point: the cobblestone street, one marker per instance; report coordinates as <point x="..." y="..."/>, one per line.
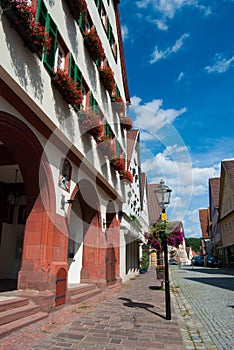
<point x="205" y="302"/>
<point x="132" y="317"/>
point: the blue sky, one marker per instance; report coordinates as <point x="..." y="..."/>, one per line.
<point x="180" y="66"/>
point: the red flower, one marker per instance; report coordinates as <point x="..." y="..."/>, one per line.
<point x="107" y="78"/>
<point x="126" y="175"/>
<point x="68" y="88"/>
<point x="126" y="122"/>
<point x="77" y="8"/>
<point x="118" y="164"/>
<point x="90" y="122"/>
<point x="94" y="44"/>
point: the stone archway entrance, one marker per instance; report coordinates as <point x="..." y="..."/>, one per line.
<point x="21" y="149"/>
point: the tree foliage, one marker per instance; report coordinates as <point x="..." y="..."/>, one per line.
<point x="194" y="243"/>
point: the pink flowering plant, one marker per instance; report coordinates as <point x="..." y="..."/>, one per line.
<point x="68" y="88"/>
<point x="160" y="232"/>
<point x="23" y="16"/>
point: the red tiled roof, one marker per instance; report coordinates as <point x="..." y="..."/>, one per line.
<point x="229" y="169"/>
<point x="132" y="136"/>
<point x="214" y="189"/>
<point x="204" y="215"/>
<point x="154" y="208"/>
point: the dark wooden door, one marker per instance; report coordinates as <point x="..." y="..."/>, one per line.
<point x="61" y="286"/>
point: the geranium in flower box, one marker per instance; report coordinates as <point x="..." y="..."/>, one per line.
<point x="118" y="164"/>
<point x="107" y="146"/>
<point x="77" y="8"/>
<point x="67" y="87"/>
<point x="107" y="78"/>
<point x="126" y="123"/>
<point x="119" y="105"/>
<point x="90" y="122"/>
<point x="23" y="18"/>
<point x="126" y="175"/>
<point x="94" y="44"/>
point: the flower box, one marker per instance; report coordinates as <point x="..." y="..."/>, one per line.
<point x="127" y="176"/>
<point x="107" y="78"/>
<point x="93" y="44"/>
<point x="68" y="88"/>
<point x="22" y="17"/>
<point x="90" y="123"/>
<point x="118" y="105"/>
<point x="106" y="146"/>
<point x="118" y="164"/>
<point x="126" y="123"/>
<point x="77" y="8"/>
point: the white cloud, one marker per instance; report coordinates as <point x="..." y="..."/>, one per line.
<point x="168" y="8"/>
<point x="124" y="31"/>
<point x="180" y="77"/>
<point x="151" y="116"/>
<point x="160" y="23"/>
<point x="164" y="54"/>
<point x="221" y="64"/>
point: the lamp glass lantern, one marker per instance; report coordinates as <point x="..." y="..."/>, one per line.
<point x="163" y="195"/>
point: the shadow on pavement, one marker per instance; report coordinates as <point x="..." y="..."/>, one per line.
<point x="208" y="270"/>
<point x="145" y="306"/>
<point x="224" y="283"/>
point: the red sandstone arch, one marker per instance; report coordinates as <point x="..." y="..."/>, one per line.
<point x="39" y="250"/>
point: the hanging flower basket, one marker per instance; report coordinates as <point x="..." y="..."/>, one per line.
<point x="106" y="145"/>
<point x="107" y="78"/>
<point x="77" y="8"/>
<point x="68" y="88"/>
<point x="127" y="176"/>
<point x="90" y="123"/>
<point x="119" y="105"/>
<point x="94" y="44"/>
<point x="126" y="123"/>
<point x="159" y="233"/>
<point x="118" y="164"/>
<point x="22" y="17"/>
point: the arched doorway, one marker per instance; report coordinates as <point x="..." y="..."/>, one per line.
<point x="86" y="214"/>
<point x="110" y="266"/>
<point x="23" y="151"/>
<point x="113" y="243"/>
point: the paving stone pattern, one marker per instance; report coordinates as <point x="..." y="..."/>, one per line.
<point x="205" y="303"/>
<point x="132" y="316"/>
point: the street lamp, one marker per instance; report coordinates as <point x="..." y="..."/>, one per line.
<point x="163" y="194"/>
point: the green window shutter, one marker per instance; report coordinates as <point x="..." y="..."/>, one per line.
<point x="52" y="30"/>
<point x="81" y="23"/>
<point x="41" y="13"/>
<point x="99" y="5"/>
<point x="75" y="72"/>
<point x="93" y="104"/>
<point x="72" y="68"/>
<point x="108" y="130"/>
<point x="119" y="150"/>
<point x="117" y="92"/>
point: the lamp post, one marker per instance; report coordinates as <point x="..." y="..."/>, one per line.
<point x="163" y="194"/>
